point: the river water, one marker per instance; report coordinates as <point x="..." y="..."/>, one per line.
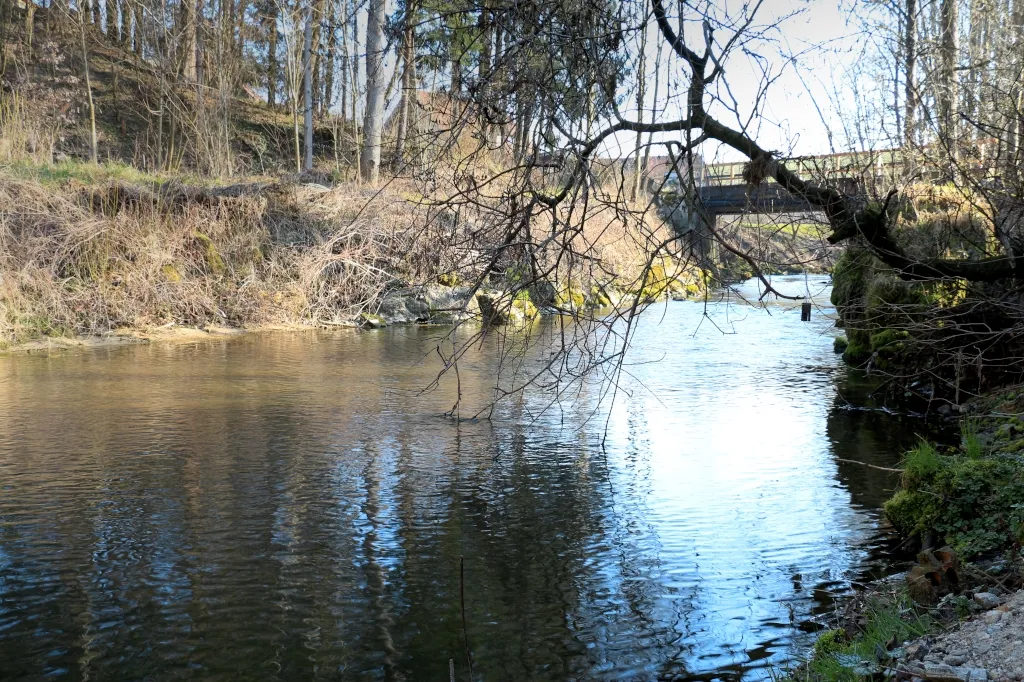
<point x="295" y="506"/>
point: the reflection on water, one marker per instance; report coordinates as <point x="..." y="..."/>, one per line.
<point x="293" y="507"/>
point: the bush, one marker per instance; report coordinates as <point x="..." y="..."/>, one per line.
<point x="973" y="503"/>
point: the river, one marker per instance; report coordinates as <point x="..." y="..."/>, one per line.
<point x="295" y="506"/>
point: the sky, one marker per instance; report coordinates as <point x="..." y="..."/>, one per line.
<point x="812" y="49"/>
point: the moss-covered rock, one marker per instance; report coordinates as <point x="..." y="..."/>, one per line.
<point x="171" y="273"/>
<point x="498" y="309"/>
<point x="371" y="321"/>
<point x="214" y="261"/>
<point x="448" y="279"/>
<point x="889" y="341"/>
<point x="840" y="344"/>
<point x="570" y="297"/>
<point x="973" y="503"/>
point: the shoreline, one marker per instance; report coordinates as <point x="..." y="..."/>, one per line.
<point x="138" y="337"/>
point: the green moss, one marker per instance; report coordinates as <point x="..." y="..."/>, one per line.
<point x="830" y="642"/>
<point x="371" y="321"/>
<point x="526" y="308"/>
<point x="973" y="502"/>
<point x="888" y="341"/>
<point x="214" y="261"/>
<point x="171" y="273"/>
<point x="840" y="344"/>
<point x="599" y="297"/>
<point x="570" y="297"/>
<point x="448" y="279"/>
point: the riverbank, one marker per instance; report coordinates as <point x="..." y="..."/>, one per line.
<point x="91" y="253"/>
<point x="957" y="614"/>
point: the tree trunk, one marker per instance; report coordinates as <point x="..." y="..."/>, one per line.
<point x="373" y="122"/>
<point x="272" y="64"/>
<point x="640" y="92"/>
<point x="456" y="86"/>
<point x="910" y="77"/>
<point x="113" y="9"/>
<point x="947" y="80"/>
<point x="138" y="12"/>
<point x="187" y="41"/>
<point x="332" y="50"/>
<point x="126" y="21"/>
<point x="408" y="83"/>
<point x="30" y="23"/>
<point x="93" y="152"/>
<point x="307" y="88"/>
<point x="97" y="15"/>
<point x="239" y="46"/>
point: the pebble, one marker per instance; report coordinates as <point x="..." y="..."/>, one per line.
<point x="992" y="617"/>
<point x="940" y="672"/>
<point x="986" y="600"/>
<point x="988" y="648"/>
<point x="975" y="674"/>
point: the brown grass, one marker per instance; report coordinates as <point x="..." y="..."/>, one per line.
<point x="91" y="259"/>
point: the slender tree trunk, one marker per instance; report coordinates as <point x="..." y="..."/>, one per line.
<point x="138" y="22"/>
<point x="456" y="86"/>
<point x="947" y="80"/>
<point x="30" y="23"/>
<point x="307" y="88"/>
<point x="319" y="12"/>
<point x="186" y="41"/>
<point x="486" y="29"/>
<point x="408" y="82"/>
<point x="272" y="63"/>
<point x="113" y="10"/>
<point x="330" y="58"/>
<point x="1015" y="120"/>
<point x="640" y="93"/>
<point x="97" y="15"/>
<point x="373" y="124"/>
<point x="910" y="77"/>
<point x="126" y="21"/>
<point x="93" y="151"/>
<point x="239" y="45"/>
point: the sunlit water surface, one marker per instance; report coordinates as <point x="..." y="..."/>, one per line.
<point x="294" y="506"/>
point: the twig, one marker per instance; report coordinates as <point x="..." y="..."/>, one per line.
<point x="872" y="466"/>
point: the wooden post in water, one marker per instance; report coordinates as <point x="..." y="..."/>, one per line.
<point x="805" y="311"/>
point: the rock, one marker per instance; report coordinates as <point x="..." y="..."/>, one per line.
<point x="371" y="321"/>
<point x="956" y="660"/>
<point x="976" y="675"/>
<point x="940" y="672"/>
<point x="986" y="600"/>
<point x="916" y="651"/>
<point x="992" y="617"/>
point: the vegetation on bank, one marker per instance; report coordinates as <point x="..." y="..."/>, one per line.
<point x="860" y="645"/>
<point x="92" y="249"/>
<point x="972" y="498"/>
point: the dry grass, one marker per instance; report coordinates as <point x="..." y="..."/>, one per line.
<point x="86" y="259"/>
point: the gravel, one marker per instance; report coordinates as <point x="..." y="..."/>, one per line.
<point x="988" y="648"/>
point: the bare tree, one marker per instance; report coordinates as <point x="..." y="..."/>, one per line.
<point x="373" y="123"/>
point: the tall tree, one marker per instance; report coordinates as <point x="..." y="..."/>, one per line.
<point x="909" y="73"/>
<point x="307" y="87"/>
<point x="408" y="98"/>
<point x="373" y="121"/>
<point x="948" y="57"/>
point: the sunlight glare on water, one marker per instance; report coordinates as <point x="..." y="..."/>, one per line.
<point x="294" y="506"/>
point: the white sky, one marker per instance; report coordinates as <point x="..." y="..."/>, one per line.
<point x="800" y="106"/>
